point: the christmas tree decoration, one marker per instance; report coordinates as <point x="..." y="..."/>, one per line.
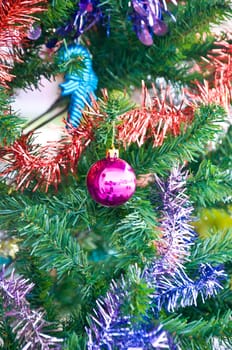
<point x="218" y="87"/>
<point x="169" y="285"/>
<point x="28" y="163"/>
<point x="209" y="95"/>
<point x="220" y="219"/>
<point x="157" y="117"/>
<point x="172" y="287"/>
<point x="110" y="327"/>
<point x="111" y="181"/>
<point x="219" y="64"/>
<point x="89" y="14"/>
<point x="80" y="84"/>
<point x="28" y="324"/>
<point x="177" y="235"/>
<point x="82" y="19"/>
<point x="178" y="290"/>
<point x="147" y="18"/>
<point x="15" y="19"/>
<point x="34" y="32"/>
<point x="129" y="272"/>
<point x="8" y="247"/>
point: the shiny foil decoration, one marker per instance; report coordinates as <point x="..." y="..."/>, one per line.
<point x="147" y="19"/>
<point x="80" y="84"/>
<point x="156" y="118"/>
<point x="30" y="164"/>
<point x="34" y="32"/>
<point x="111" y="181"/>
<point x="88" y="14"/>
<point x="16" y="18"/>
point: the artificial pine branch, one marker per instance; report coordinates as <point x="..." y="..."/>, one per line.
<point x="41" y="295"/>
<point x="7" y="337"/>
<point x="164" y="54"/>
<point x="74" y="343"/>
<point x="73" y="202"/>
<point x="210" y="186"/>
<point x="215" y="249"/>
<point x="54" y="238"/>
<point x="58" y="12"/>
<point x="164" y="279"/>
<point x="135" y="234"/>
<point x="201" y="331"/>
<point x="54" y="246"/>
<point x="10" y="124"/>
<point x="222" y="155"/>
<point x="11" y="207"/>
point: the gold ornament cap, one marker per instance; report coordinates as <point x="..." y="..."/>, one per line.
<point x="112" y="153"/>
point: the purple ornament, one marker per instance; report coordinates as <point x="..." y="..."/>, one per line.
<point x="34" y="32"/>
<point x="159" y="28"/>
<point x="139" y="8"/>
<point x="144" y="35"/>
<point x="86" y="5"/>
<point x="147" y="19"/>
<point x="111" y="181"/>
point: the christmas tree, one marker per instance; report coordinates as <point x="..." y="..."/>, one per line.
<point x="101" y="246"/>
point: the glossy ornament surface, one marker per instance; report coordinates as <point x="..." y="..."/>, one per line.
<point x="111" y="181"/>
<point x="80" y="86"/>
<point x="160" y="28"/>
<point x="34" y="32"/>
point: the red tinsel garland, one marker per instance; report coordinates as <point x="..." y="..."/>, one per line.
<point x="220" y="61"/>
<point x="44" y="166"/>
<point x="15" y="22"/>
<point x="218" y="88"/>
<point x="28" y="162"/>
<point x="156" y="118"/>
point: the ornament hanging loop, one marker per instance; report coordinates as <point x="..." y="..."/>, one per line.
<point x="112" y="152"/>
<point x="113" y="134"/>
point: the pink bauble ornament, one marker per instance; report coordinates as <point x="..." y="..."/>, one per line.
<point x="111" y="181"/>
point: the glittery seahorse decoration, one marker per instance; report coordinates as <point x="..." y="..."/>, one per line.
<point x="79" y="83"/>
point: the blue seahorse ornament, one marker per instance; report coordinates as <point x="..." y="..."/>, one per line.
<point x="80" y="85"/>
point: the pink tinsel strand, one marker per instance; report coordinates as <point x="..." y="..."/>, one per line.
<point x="27" y="324"/>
